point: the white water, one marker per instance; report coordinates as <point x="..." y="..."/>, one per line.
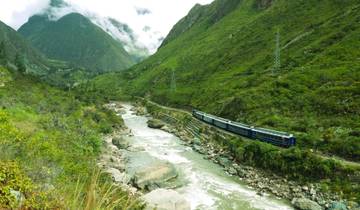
<point x="206" y="186"/>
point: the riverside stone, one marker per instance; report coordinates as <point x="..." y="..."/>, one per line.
<point x="163" y="199"/>
<point x="155" y="175"/>
<point x="120" y="142"/>
<point x="337" y="206"/>
<point x="305" y="204"/>
<point x="154" y="123"/>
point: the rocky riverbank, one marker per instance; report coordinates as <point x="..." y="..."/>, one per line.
<point x="153" y="181"/>
<point x="302" y="196"/>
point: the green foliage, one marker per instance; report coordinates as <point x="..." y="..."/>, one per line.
<point x="17" y="190"/>
<point x="3" y="53"/>
<point x="20" y="63"/>
<point x="48" y="138"/>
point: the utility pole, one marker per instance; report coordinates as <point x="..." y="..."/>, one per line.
<point x="173" y="81"/>
<point x="277" y="60"/>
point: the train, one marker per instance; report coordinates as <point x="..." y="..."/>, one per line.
<point x="277" y="138"/>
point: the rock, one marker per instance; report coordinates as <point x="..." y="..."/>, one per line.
<point x="196" y="141"/>
<point x="140" y="111"/>
<point x="154" y="123"/>
<point x="305" y="188"/>
<point x="232" y="171"/>
<point x="153" y="176"/>
<point x="118" y="176"/>
<point x="337" y="206"/>
<point x="224" y="161"/>
<point x="312" y="191"/>
<point x="163" y="199"/>
<point x="260" y="193"/>
<point x="19" y="197"/>
<point x="199" y="149"/>
<point x="305" y="204"/>
<point x="136" y="149"/>
<point x="120" y="142"/>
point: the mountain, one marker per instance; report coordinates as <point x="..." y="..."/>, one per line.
<point x="14" y="49"/>
<point x="124" y="34"/>
<point x="286" y="65"/>
<point x="74" y="38"/>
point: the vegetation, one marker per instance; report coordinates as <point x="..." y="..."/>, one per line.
<point x="224" y="53"/>
<point x="75" y="39"/>
<point x="49" y="142"/>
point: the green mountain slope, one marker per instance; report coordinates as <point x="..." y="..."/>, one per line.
<point x="75" y="39"/>
<point x="220" y="59"/>
<point x="14" y="49"/>
<point x="17" y="53"/>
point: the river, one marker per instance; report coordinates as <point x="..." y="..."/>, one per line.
<point x="205" y="184"/>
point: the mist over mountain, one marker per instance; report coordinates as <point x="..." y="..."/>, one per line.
<point x="119" y="31"/>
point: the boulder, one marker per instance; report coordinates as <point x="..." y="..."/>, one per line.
<point x="232" y="171"/>
<point x="305" y="204"/>
<point x="120" y="142"/>
<point x="199" y="149"/>
<point x="118" y="176"/>
<point x="163" y="199"/>
<point x="19" y="197"/>
<point x="154" y="123"/>
<point x="224" y="161"/>
<point x="155" y="175"/>
<point x="337" y="206"/>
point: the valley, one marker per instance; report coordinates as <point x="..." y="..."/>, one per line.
<point x="92" y="117"/>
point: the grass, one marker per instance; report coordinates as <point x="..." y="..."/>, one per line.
<point x="100" y="196"/>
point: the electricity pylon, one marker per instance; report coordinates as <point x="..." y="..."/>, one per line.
<point x="277" y="59"/>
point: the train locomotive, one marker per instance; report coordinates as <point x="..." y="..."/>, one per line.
<point x="277" y="138"/>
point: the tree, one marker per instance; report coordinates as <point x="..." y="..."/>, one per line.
<point x="2" y="52"/>
<point x="20" y="63"/>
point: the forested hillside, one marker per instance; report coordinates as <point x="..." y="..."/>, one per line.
<point x="16" y="51"/>
<point x="225" y="53"/>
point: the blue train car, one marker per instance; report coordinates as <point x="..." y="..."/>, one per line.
<point x="221" y="123"/>
<point x="270" y="136"/>
<point x="208" y="119"/>
<point x="241" y="129"/>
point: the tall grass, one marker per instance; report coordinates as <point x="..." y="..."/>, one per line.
<point x="99" y="193"/>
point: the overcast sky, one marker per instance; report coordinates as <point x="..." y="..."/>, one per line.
<point x="156" y="15"/>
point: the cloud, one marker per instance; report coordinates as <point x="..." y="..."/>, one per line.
<point x="156" y="16"/>
<point x="16" y="12"/>
<point x="142" y="11"/>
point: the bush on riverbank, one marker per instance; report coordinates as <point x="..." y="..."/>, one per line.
<point x="297" y="164"/>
